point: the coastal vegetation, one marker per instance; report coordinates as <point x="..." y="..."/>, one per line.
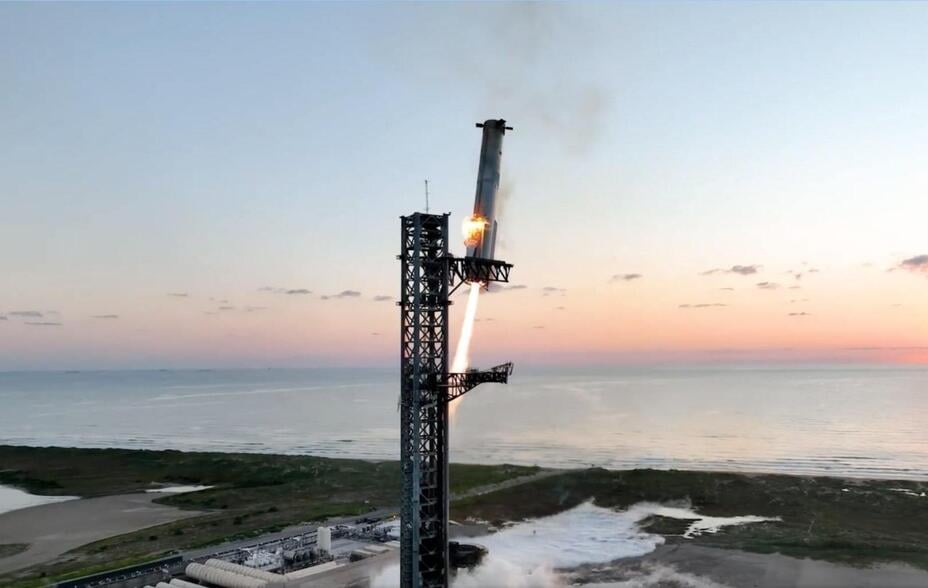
<point x="844" y="520"/>
<point x="251" y="494"/>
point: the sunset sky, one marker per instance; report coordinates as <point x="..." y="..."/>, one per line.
<point x="203" y="185"/>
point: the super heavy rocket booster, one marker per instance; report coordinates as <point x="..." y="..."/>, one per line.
<point x="480" y="229"/>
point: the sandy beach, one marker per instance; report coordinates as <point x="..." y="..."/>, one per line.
<point x="53" y="529"/>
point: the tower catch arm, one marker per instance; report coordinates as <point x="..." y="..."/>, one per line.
<point x="460" y="383"/>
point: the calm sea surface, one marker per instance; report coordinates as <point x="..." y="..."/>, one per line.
<point x="867" y="422"/>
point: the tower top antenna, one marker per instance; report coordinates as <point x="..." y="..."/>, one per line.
<point x="426" y="196"/>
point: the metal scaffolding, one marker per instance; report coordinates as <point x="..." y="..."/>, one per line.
<point x="428" y="272"/>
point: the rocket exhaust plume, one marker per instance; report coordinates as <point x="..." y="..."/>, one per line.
<point x="462" y="351"/>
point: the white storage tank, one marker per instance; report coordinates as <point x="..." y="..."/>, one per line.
<point x="324" y="539"/>
<point x="313" y="570"/>
<point x="223" y="578"/>
<point x="269" y="577"/>
<point x="178" y="583"/>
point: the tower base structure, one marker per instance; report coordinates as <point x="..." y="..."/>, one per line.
<point x="429" y="274"/>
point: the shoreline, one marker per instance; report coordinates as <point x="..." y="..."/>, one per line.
<point x="923" y="477"/>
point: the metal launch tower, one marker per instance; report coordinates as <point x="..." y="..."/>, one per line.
<point x="430" y="274"/>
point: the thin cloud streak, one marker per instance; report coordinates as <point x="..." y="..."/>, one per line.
<point x="741" y="270"/>
<point x="342" y="294"/>
<point x="497" y="287"/>
<point x="290" y="291"/>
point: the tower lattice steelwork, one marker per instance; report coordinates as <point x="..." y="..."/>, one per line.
<point x="429" y="276"/>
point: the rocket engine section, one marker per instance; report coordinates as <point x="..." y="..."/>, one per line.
<point x="480" y="229"/>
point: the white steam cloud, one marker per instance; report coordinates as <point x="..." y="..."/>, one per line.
<point x="652" y="575"/>
<point x="529" y="554"/>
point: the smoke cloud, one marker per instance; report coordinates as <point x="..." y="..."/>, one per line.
<point x="507" y="187"/>
<point x="651" y="575"/>
<point x="537" y="80"/>
<point x="537" y="85"/>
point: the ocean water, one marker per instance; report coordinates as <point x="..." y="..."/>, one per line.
<point x="15" y="499"/>
<point x="861" y="422"/>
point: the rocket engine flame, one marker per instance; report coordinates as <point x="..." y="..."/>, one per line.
<point x="473" y="229"/>
<point x="462" y="351"/>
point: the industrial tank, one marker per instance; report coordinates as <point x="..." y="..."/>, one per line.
<point x="223" y="578"/>
<point x="268" y="577"/>
<point x="324" y="539"/>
